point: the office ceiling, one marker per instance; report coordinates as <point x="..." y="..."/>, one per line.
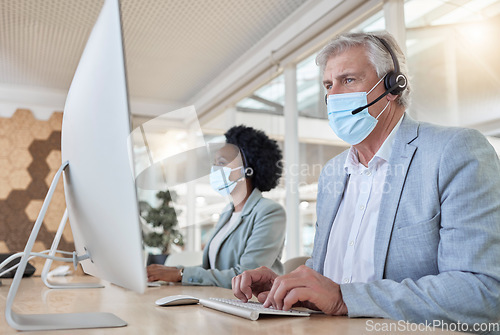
<point x="173" y="48"/>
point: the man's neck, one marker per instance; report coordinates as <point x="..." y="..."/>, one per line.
<point x="370" y="145"/>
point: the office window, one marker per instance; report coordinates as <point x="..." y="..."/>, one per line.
<point x="269" y="99"/>
<point x="374" y="23"/>
<point x="454" y="63"/>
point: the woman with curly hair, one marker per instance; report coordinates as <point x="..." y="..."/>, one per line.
<point x="251" y="230"/>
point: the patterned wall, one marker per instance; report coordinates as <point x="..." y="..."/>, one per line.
<point x="30" y="155"/>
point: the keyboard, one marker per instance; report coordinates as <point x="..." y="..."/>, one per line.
<point x="249" y="310"/>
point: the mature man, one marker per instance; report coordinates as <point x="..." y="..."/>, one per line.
<point x="408" y="221"/>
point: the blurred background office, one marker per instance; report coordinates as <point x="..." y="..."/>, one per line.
<point x="223" y="63"/>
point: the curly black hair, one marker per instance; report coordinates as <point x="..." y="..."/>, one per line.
<point x="261" y="153"/>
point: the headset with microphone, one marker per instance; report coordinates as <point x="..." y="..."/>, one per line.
<point x="247" y="169"/>
<point x="395" y="82"/>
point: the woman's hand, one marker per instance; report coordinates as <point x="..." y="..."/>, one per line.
<point x="162" y="272"/>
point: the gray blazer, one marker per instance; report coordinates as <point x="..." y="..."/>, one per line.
<point x="437" y="243"/>
<point x="257" y="240"/>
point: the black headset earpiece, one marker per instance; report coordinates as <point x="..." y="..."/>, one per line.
<point x="395" y="82"/>
<point x="247" y="169"/>
<point x="248" y="172"/>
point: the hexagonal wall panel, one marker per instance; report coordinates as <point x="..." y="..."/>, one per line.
<point x="22" y="119"/>
<point x="41" y="131"/>
<point x="5" y="126"/>
<point x="3" y="247"/>
<point x="29" y="158"/>
<point x="5" y="167"/>
<point x="33" y="209"/>
<point x="55" y="120"/>
<point x="54" y="160"/>
<point x="21" y="138"/>
<point x="54" y="214"/>
<point x="20" y="179"/>
<point x="4" y="188"/>
<point x="20" y="159"/>
<point x="5" y="147"/>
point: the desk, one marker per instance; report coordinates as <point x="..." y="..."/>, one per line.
<point x="144" y="317"/>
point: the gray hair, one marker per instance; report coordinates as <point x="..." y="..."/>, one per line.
<point x="377" y="53"/>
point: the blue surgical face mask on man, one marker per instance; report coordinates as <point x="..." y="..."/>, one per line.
<point x="351" y="128"/>
<point x="219" y="179"/>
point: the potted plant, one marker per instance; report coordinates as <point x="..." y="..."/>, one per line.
<point x="160" y="230"/>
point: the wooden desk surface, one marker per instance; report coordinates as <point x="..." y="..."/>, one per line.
<point x="144" y="317"/>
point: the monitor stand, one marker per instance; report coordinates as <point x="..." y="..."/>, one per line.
<point x="48" y="263"/>
<point x="51" y="321"/>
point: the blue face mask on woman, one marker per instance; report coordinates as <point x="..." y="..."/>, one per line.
<point x="219" y="179"/>
<point x="351" y="128"/>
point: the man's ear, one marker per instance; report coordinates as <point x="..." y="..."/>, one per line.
<point x="392" y="97"/>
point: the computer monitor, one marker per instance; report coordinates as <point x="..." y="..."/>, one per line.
<point x="98" y="177"/>
<point x="99" y="181"/>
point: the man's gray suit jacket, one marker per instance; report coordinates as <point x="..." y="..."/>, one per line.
<point x="437" y="243"/>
